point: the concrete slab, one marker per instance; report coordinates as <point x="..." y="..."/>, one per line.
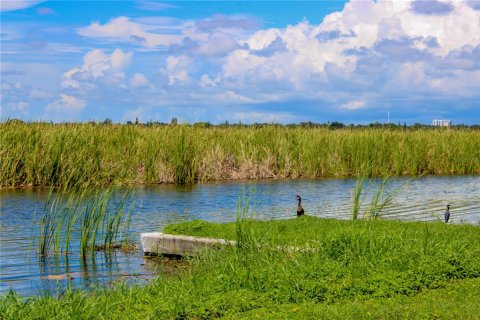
<point x="158" y="243"/>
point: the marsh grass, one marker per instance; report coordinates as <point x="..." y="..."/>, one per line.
<point x="67" y="156"/>
<point x="356" y="196"/>
<point x="244" y="218"/>
<point x="380" y="199"/>
<point x="98" y="220"/>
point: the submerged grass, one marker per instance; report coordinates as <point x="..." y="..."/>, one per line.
<point x="70" y="155"/>
<point x="416" y="269"/>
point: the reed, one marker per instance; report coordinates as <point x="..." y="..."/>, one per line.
<point x="356" y="196"/>
<point x="98" y="220"/>
<point x="67" y="156"/>
<point x="243" y="223"/>
<point x="380" y="199"/>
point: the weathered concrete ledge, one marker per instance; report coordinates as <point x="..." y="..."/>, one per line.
<point x="158" y="243"/>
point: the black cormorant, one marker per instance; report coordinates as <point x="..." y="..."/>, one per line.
<point x="447" y="213"/>
<point x="300" y="211"/>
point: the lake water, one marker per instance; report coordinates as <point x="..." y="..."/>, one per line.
<point x="156" y="206"/>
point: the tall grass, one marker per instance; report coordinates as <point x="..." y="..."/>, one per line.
<point x="243" y="223"/>
<point x="96" y="220"/>
<point x="380" y="199"/>
<point x="356" y="196"/>
<point x="70" y="155"/>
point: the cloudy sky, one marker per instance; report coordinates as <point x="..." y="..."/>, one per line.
<point x="274" y="61"/>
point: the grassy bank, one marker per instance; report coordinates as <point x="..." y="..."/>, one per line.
<point x="68" y="155"/>
<point x="358" y="269"/>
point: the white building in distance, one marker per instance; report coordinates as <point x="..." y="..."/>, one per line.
<point x="442" y="123"/>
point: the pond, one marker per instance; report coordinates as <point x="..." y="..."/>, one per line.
<point x="25" y="272"/>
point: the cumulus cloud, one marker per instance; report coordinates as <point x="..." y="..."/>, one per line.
<point x="394" y="55"/>
<point x="375" y="50"/>
<point x="66" y="103"/>
<point x="212" y="37"/>
<point x="139" y="81"/>
<point x="98" y="66"/>
<point x="432" y="7"/>
<point x="177" y="69"/>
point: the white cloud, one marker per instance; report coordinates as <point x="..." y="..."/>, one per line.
<point x="12" y="5"/>
<point x="353" y="105"/>
<point x="177" y="69"/>
<point x="97" y="65"/>
<point x="123" y="29"/>
<point x="66" y="103"/>
<point x="262" y="117"/>
<point x="370" y="48"/>
<point x="139" y="81"/>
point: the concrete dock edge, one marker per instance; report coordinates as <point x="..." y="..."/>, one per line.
<point x="158" y="243"/>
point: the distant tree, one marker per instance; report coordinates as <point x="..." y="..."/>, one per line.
<point x="174" y="121"/>
<point x="336" y="125"/>
<point x="129" y="123"/>
<point x="107" y="121"/>
<point x="375" y="125"/>
<point x="136" y="120"/>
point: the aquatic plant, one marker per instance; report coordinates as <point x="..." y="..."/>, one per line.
<point x="356" y="196"/>
<point x="98" y="220"/>
<point x="244" y="218"/>
<point x="380" y="199"/>
<point x="67" y="156"/>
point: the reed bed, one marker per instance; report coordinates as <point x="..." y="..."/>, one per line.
<point x="69" y="155"/>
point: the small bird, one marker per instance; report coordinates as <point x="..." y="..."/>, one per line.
<point x="300" y="211"/>
<point x="447" y="213"/>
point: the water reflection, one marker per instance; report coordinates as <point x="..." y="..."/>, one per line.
<point x="157" y="206"/>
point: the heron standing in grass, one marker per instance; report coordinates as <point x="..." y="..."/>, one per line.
<point x="447" y="213"/>
<point x="300" y="211"/>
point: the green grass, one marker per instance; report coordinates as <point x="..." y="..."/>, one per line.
<point x="458" y="300"/>
<point x="99" y="219"/>
<point x="356" y="269"/>
<point x="71" y="155"/>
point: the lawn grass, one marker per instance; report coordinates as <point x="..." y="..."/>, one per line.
<point x="457" y="300"/>
<point x="71" y="155"/>
<point x="358" y="269"/>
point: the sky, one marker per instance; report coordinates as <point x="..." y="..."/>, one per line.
<point x="356" y="61"/>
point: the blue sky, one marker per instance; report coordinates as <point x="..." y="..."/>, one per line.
<point x="250" y="61"/>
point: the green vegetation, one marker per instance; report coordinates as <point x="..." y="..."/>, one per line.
<point x="355" y="269"/>
<point x="102" y="216"/>
<point x="71" y="155"/>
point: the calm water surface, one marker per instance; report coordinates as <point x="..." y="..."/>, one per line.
<point x="157" y="206"/>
